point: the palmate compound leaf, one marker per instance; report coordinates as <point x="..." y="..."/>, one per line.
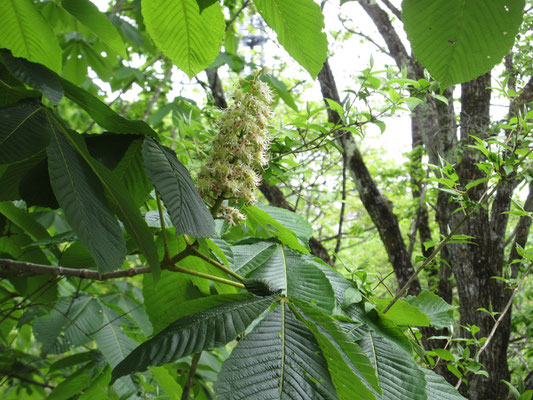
<point x="171" y="179"/>
<point x="299" y="25"/>
<point x="289" y="271"/>
<point x="459" y="40"/>
<point x="278" y="359"/>
<point x="190" y="39"/>
<point x="213" y="322"/>
<point x="80" y="194"/>
<point x="24" y="131"/>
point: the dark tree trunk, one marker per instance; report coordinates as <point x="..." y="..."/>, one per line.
<point x="376" y="204"/>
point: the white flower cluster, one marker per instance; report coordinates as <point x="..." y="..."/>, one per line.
<point x="238" y="151"/>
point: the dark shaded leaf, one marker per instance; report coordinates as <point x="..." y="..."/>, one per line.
<point x="34" y="75"/>
<point x="122" y="203"/>
<point x="35" y="188"/>
<point x="219" y="320"/>
<point x="171" y="179"/>
<point x="24" y="131"/>
<point x="82" y="198"/>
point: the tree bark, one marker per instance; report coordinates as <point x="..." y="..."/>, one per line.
<point x="375" y="203"/>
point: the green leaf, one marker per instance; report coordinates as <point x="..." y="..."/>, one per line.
<point x="403" y="313"/>
<point x="219" y="320"/>
<point x="70" y="387"/>
<point x="439" y="312"/>
<point x="279" y="359"/>
<point x="122" y="203"/>
<point x="89" y="15"/>
<point x="291" y="273"/>
<point x="14" y="173"/>
<point x="299" y="25"/>
<point x="379" y="324"/>
<point x="275" y="228"/>
<point x="24" y="131"/>
<point x="24" y="221"/>
<point x="98" y="388"/>
<point x="399" y="376"/>
<point x="69" y="324"/>
<point x="81" y="196"/>
<point x="110" y="338"/>
<point x="171" y="179"/>
<point x="203" y="4"/>
<point x="280" y="89"/>
<point x="27" y="34"/>
<point x="130" y="171"/>
<point x="290" y="220"/>
<point x="163" y="298"/>
<point x="458" y="40"/>
<point x="350" y="368"/>
<point x="34" y="75"/>
<point x="439" y="389"/>
<point x="102" y="114"/>
<point x="167" y="382"/>
<point x="248" y="257"/>
<point x="190" y="39"/>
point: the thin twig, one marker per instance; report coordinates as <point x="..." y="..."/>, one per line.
<point x="190" y="376"/>
<point x="228" y="24"/>
<point x="343" y="206"/>
<point x="500" y="319"/>
<point x="157" y="93"/>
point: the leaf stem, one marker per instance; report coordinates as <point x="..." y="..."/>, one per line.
<point x="216" y="264"/>
<point x="177" y="268"/>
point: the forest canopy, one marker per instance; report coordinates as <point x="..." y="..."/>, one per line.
<point x="193" y="204"/>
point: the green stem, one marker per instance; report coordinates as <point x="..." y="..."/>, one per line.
<point x="177" y="268"/>
<point x="163" y="228"/>
<point x="218" y="265"/>
<point x="216" y="206"/>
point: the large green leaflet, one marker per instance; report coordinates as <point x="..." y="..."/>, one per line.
<point x="122" y="203"/>
<point x="221" y="320"/>
<point x="81" y="196"/>
<point x="289" y="272"/>
<point x="89" y="15"/>
<point x="439" y="389"/>
<point x="23" y="131"/>
<point x="299" y="25"/>
<point x="279" y="359"/>
<point x="439" y="312"/>
<point x="399" y="376"/>
<point x="27" y="34"/>
<point x="190" y="39"/>
<point x="458" y="40"/>
<point x="350" y="368"/>
<point x="172" y="180"/>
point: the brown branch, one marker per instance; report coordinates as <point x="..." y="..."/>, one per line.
<point x="393" y="9"/>
<point x="343" y="207"/>
<point x="190" y="377"/>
